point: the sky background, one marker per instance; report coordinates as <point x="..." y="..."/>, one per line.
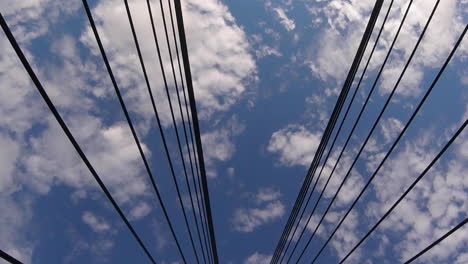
<point x="267" y="75"/>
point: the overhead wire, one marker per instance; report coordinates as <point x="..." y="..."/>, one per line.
<point x="130" y="123"/>
<point x="374" y="125"/>
<point x="415" y="112"/>
<point x="196" y="126"/>
<point x="339" y="129"/>
<point x="9" y="258"/>
<point x="462" y="127"/>
<point x="148" y="85"/>
<point x="196" y="180"/>
<point x="329" y="128"/>
<point x="460" y="225"/>
<point x="69" y="135"/>
<point x="174" y="122"/>
<point x="353" y="128"/>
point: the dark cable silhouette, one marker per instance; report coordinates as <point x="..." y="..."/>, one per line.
<point x="397" y="139"/>
<point x="130" y="123"/>
<point x="159" y="124"/>
<point x="9" y="258"/>
<point x="196" y="180"/>
<point x="407" y="190"/>
<point x="174" y="122"/>
<point x="328" y="129"/>
<point x="354" y="126"/>
<point x="438" y="241"/>
<point x="339" y="129"/>
<point x="374" y="126"/>
<point x="69" y="135"/>
<point x="196" y="126"/>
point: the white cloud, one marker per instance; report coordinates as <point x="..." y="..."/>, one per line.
<point x="9" y="154"/>
<point x="331" y="53"/>
<point x="390" y="128"/>
<point x="14" y="224"/>
<point x="220" y="57"/>
<point x="265" y="50"/>
<point x="247" y="220"/>
<point x="269" y="208"/>
<point x="140" y="211"/>
<point x="295" y="145"/>
<point x="433" y="207"/>
<point x="267" y="195"/>
<point x="231" y="172"/>
<point x="113" y="152"/>
<point x="258" y="258"/>
<point x="218" y="145"/>
<point x="98" y="224"/>
<point x="287" y="23"/>
<point x="19" y="106"/>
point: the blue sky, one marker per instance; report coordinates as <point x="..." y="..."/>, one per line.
<point x="266" y="76"/>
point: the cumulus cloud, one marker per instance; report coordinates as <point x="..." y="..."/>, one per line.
<point x="433" y="207"/>
<point x="390" y="128"/>
<point x="98" y="224"/>
<point x="220" y="57"/>
<point x="14" y="227"/>
<point x="287" y="23"/>
<point x="218" y="145"/>
<point x="332" y="52"/>
<point x="258" y="258"/>
<point x="269" y="208"/>
<point x="295" y="145"/>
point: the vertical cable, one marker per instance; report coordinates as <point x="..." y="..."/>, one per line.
<point x="196" y="126"/>
<point x="159" y="124"/>
<point x="196" y="180"/>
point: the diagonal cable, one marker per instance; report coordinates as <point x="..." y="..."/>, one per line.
<point x="9" y="258"/>
<point x="355" y="124"/>
<point x="328" y="129"/>
<point x="374" y="125"/>
<point x="396" y="140"/>
<point x="69" y="135"/>
<point x="460" y="225"/>
<point x="339" y="129"/>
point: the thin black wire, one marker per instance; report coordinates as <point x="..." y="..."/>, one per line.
<point x="397" y="139"/>
<point x="196" y="183"/>
<point x="407" y="190"/>
<point x="68" y="133"/>
<point x="374" y="126"/>
<point x="328" y="129"/>
<point x="172" y="114"/>
<point x="438" y="241"/>
<point x="9" y="258"/>
<point x="354" y="127"/>
<point x="130" y="123"/>
<point x="340" y="127"/>
<point x="157" y="117"/>
<point x="196" y="126"/>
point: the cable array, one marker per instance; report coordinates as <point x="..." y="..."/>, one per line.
<point x="328" y="130"/>
<point x="203" y="243"/>
<point x="201" y="212"/>
<point x="287" y="237"/>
